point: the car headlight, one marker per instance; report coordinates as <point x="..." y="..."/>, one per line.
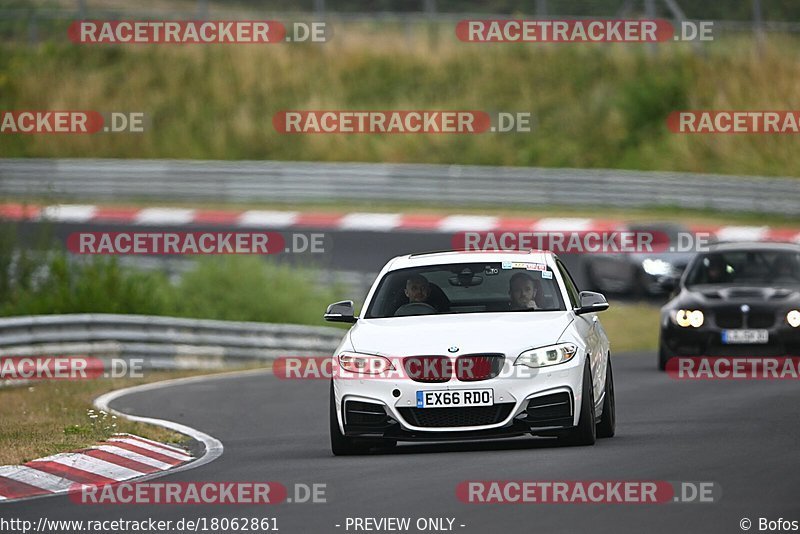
<point x="686" y="318"/>
<point x="656" y="267"/>
<point x="549" y="355"/>
<point x="793" y="318"/>
<point x="368" y="364"/>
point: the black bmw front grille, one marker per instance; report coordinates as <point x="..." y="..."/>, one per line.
<point x="729" y="318"/>
<point x="760" y="319"/>
<point x="452" y="417"/>
<point x="733" y="317"/>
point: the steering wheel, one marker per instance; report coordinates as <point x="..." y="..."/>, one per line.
<point x="415" y="308"/>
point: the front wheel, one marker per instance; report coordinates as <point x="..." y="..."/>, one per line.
<point x="607" y="426"/>
<point x="586" y="431"/>
<point x="664" y="354"/>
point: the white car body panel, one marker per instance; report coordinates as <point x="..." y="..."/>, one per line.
<point x="509" y="333"/>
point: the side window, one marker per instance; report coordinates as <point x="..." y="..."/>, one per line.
<point x="572" y="290"/>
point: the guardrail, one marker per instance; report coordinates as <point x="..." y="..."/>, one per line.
<point x="450" y="185"/>
<point x="162" y="342"/>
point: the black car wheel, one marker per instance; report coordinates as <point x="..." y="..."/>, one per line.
<point x="606" y="428"/>
<point x="664" y="354"/>
<point x="586" y="431"/>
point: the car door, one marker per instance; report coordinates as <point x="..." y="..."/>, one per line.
<point x="588" y="329"/>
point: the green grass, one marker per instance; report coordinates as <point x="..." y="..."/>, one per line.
<point x="235" y="288"/>
<point x="594" y="106"/>
<point x="631" y="327"/>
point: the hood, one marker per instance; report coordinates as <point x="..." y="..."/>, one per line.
<point x="710" y="294"/>
<point x="505" y="332"/>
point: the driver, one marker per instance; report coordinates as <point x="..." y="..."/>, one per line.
<point x="716" y="270"/>
<point x="522" y="292"/>
<point x="418" y="289"/>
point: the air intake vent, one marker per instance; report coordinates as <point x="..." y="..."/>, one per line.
<point x="455" y="417"/>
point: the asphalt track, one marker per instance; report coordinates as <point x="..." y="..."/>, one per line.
<point x="742" y="435"/>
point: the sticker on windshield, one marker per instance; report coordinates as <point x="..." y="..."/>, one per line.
<point x="535" y="267"/>
<point x="507" y="265"/>
<point x="547" y="275"/>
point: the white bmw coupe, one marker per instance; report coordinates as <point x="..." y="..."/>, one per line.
<point x="471" y="345"/>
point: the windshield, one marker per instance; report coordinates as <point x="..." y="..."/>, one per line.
<point x="467" y="288"/>
<point x="746" y="267"/>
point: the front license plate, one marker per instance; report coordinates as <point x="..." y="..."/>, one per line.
<point x="743" y="337"/>
<point x="459" y="397"/>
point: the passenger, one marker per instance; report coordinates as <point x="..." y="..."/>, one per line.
<point x="785" y="270"/>
<point x="522" y="292"/>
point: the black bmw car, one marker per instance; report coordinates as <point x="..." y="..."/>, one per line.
<point x="736" y="299"/>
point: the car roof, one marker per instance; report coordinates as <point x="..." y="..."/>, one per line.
<point x="461" y="256"/>
<point x="743" y="246"/>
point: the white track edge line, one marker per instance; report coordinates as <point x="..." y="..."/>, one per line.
<point x="213" y="446"/>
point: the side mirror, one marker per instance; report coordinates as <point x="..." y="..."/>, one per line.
<point x="341" y="312"/>
<point x="591" y="302"/>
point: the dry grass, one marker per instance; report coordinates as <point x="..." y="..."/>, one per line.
<point x="631" y="327"/>
<point x="49" y="417"/>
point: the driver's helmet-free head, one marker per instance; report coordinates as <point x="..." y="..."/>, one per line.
<point x="715" y="268"/>
<point x="417" y="288"/>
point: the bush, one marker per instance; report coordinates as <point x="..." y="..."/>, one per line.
<point x="236" y="288"/>
<point x="241" y="288"/>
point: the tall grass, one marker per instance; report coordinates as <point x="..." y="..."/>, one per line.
<point x="593" y="105"/>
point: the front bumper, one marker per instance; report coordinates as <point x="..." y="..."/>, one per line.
<point x="707" y="341"/>
<point x="544" y="401"/>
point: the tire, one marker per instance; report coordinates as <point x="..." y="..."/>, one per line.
<point x="341" y="445"/>
<point x="664" y="354"/>
<point x="606" y="428"/>
<point x="586" y="432"/>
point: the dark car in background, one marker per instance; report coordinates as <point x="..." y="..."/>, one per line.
<point x="736" y="299"/>
<point x="641" y="273"/>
